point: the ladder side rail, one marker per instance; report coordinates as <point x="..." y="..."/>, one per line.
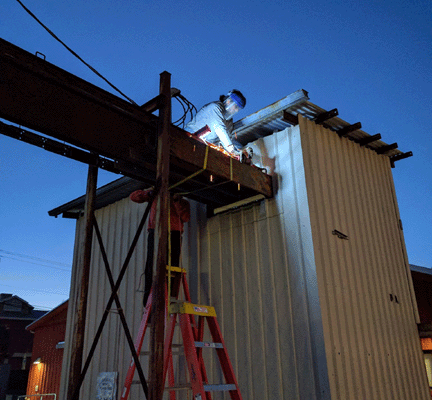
<point x="191" y="357"/>
<point x="224" y="360"/>
<point x="171" y="380"/>
<point x="199" y="338"/>
<point x="138" y="346"/>
<point x="186" y="288"/>
<point x="168" y="343"/>
<point x="188" y="299"/>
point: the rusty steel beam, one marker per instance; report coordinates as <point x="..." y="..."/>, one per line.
<point x="43" y="97"/>
<point x="40" y="96"/>
<point x="193" y="152"/>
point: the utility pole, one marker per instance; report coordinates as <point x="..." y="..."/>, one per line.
<point x="157" y="332"/>
<point x="81" y="310"/>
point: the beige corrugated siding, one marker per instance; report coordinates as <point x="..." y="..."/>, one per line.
<point x="372" y="343"/>
<point x="303" y="313"/>
<point x="118" y="224"/>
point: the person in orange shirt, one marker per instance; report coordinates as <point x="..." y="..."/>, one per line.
<point x="179" y="215"/>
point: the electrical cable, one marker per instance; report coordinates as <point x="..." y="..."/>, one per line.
<point x="182" y="118"/>
<point x="188" y="108"/>
<point x="34" y="290"/>
<point x="34" y="263"/>
<point x="33" y="258"/>
<point x="75" y="54"/>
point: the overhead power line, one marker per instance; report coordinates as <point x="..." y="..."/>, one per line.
<point x="34" y="263"/>
<point x="33" y="258"/>
<point x="20" y="289"/>
<point x="75" y="54"/>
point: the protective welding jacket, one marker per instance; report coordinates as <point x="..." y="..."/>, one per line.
<point x="212" y="115"/>
<point x="179" y="210"/>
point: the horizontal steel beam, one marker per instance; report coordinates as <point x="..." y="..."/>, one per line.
<point x="40" y="96"/>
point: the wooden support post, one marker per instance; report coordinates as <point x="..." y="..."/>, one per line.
<point x="81" y="311"/>
<point x="157" y="332"/>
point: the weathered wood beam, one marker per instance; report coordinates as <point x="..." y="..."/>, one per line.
<point x="369" y="139"/>
<point x="348" y="129"/>
<point x="290" y="118"/>
<point x="385" y="149"/>
<point x="157" y="331"/>
<point x="398" y="157"/>
<point x="80" y="307"/>
<point x="326" y="116"/>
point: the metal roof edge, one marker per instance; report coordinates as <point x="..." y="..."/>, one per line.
<point x="50" y="314"/>
<point x="423" y="270"/>
<point x="103" y="197"/>
<point x="297" y="97"/>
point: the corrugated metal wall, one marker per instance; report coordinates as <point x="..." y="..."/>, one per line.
<point x="261" y="267"/>
<point x="118" y="224"/>
<point x="254" y="265"/>
<point x="372" y="344"/>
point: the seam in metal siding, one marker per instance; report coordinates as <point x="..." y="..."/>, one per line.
<point x="372" y="343"/>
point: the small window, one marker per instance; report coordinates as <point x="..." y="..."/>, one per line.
<point x="11" y="307"/>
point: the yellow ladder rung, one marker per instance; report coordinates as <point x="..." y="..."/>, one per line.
<point x="189" y="308"/>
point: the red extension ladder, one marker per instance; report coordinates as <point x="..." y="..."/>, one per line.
<point x="191" y="318"/>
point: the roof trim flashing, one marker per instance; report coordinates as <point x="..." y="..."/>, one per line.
<point x="258" y="117"/>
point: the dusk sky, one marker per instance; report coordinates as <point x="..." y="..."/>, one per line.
<point x="372" y="60"/>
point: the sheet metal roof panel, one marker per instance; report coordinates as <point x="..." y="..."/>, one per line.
<point x="270" y="119"/>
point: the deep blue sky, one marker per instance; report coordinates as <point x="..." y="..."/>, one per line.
<point x="369" y="59"/>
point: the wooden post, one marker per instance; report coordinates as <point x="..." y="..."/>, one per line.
<point x="81" y="311"/>
<point x="157" y="332"/>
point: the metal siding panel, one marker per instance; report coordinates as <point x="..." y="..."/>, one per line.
<point x="371" y="343"/>
<point x="71" y="309"/>
<point x="314" y="162"/>
<point x="360" y="282"/>
<point x="401" y="285"/>
<point x="271" y="338"/>
<point x="216" y="296"/>
<point x="305" y="314"/>
<point x="372" y="269"/>
<point x="255" y="329"/>
<point x="278" y="343"/>
<point x="243" y="347"/>
<point x="255" y="266"/>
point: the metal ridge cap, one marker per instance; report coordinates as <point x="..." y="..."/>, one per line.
<point x="299" y="96"/>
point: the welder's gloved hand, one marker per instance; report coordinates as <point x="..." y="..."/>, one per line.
<point x="234" y="152"/>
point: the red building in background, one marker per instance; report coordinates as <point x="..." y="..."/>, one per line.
<point x="15" y="344"/>
<point x="422" y="281"/>
<point x="47" y="355"/>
